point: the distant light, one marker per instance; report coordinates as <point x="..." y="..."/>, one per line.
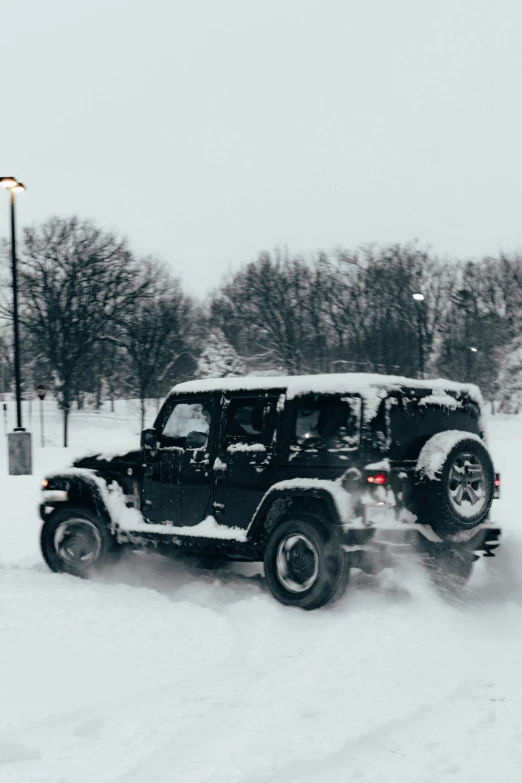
<point x="418" y="297"/>
<point x="474" y="350"/>
<point x="8" y="182"/>
<point x="17" y="188"/>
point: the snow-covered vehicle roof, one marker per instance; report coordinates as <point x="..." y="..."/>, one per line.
<point x="371" y="386"/>
<point x="333" y="383"/>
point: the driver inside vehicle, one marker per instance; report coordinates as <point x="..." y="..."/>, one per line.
<point x="245" y="420"/>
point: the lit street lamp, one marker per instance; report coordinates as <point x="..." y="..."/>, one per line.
<point x="419" y="298"/>
<point x="20" y="462"/>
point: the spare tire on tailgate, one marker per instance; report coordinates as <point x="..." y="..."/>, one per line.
<point x="454" y="482"/>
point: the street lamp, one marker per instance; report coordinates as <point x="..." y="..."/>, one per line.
<point x="418" y="299"/>
<point x="20" y="462"/>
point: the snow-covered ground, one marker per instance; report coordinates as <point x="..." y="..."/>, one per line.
<point x="157" y="674"/>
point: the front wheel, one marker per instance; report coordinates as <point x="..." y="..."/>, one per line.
<point x="76" y="541"/>
<point x="304" y="563"/>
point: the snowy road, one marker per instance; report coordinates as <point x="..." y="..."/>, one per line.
<point x="157" y="673"/>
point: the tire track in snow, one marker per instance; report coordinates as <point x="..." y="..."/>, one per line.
<point x="257" y="719"/>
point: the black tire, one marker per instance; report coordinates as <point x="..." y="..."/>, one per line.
<point x="304" y="563"/>
<point x="436" y="501"/>
<point x="76" y="541"/>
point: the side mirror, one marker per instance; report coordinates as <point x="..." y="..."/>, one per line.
<point x="148" y="440"/>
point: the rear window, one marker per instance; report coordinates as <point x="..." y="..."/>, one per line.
<point x="325" y="428"/>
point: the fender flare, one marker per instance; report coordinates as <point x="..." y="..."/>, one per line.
<point x="85" y="489"/>
<point x="327" y="493"/>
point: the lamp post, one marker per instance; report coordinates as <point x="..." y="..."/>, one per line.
<point x="471" y="351"/>
<point x="419" y="298"/>
<point x="20" y="462"/>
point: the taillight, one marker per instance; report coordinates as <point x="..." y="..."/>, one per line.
<point x="496" y="490"/>
<point x="377" y="478"/>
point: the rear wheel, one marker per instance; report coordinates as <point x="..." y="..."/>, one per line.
<point x="76" y="541"/>
<point x="304" y="563"/>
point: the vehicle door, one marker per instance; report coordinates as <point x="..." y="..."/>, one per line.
<point x="320" y="436"/>
<point x="179" y="467"/>
<point x="246" y="459"/>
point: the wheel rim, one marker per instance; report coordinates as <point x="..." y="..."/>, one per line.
<point x="297" y="563"/>
<point x="77" y="542"/>
<point x="467" y="484"/>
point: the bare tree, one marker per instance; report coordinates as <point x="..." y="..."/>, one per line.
<point x="6" y="365"/>
<point x="263" y="311"/>
<point x="482" y="322"/>
<point x="75" y="280"/>
<point x="156" y="333"/>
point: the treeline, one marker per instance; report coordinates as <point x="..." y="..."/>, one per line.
<point x="397" y="310"/>
<point x="99" y="323"/>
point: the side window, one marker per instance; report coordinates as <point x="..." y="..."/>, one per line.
<point x="332" y="423"/>
<point x="188" y="425"/>
<point x="249" y="421"/>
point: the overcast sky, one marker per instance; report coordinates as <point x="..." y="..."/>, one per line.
<point x="208" y="130"/>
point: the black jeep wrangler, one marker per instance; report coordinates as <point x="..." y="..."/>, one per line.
<point x="310" y="474"/>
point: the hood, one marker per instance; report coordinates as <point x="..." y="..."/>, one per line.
<point x="115" y="461"/>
